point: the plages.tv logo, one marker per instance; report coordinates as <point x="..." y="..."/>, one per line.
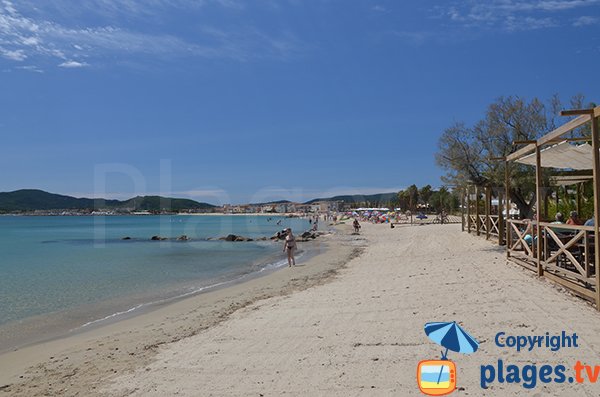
<point x="438" y="377"/>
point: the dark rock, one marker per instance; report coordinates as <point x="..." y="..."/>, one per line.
<point x="234" y="237"/>
<point x="183" y="237"/>
<point x="126" y="238"/>
<point x="157" y="238"/>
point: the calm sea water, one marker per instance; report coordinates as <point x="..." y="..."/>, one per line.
<point x="56" y="264"/>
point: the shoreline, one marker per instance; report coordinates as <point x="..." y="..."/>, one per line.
<point x="129" y="343"/>
<point x="26" y="332"/>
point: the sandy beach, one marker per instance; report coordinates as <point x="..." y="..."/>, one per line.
<point x="343" y="324"/>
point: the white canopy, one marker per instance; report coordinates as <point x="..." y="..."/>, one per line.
<point x="563" y="155"/>
<point x="566" y="180"/>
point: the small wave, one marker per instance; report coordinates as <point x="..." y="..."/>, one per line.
<point x="269" y="266"/>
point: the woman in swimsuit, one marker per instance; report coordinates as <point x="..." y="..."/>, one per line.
<point x="290" y="247"/>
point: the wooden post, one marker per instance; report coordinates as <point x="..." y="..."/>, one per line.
<point x="546" y="194"/>
<point x="579" y="193"/>
<point x="596" y="180"/>
<point x="462" y="210"/>
<point x="468" y="209"/>
<point x="477" y="220"/>
<point x="508" y="206"/>
<point x="500" y="218"/>
<point x="567" y="199"/>
<point x="538" y="208"/>
<point x="488" y="204"/>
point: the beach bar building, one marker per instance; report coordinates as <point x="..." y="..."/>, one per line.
<point x="563" y="253"/>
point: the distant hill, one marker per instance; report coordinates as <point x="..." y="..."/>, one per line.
<point x="273" y="202"/>
<point x="359" y="198"/>
<point x="33" y="199"/>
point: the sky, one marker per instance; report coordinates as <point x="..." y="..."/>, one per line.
<point x="231" y="101"/>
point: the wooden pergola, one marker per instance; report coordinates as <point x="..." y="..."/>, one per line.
<point x="565" y="254"/>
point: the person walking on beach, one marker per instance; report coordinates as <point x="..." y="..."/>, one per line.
<point x="290" y="247"/>
<point x="356" y="226"/>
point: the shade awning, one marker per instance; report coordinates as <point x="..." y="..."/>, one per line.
<point x="566" y="180"/>
<point x="563" y="156"/>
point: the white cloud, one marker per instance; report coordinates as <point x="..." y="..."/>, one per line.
<point x="379" y="8"/>
<point x="73" y="64"/>
<point x="511" y="15"/>
<point x="27" y="31"/>
<point x="31" y="68"/>
<point x="529" y="23"/>
<point x="13" y="55"/>
<point x="585" y="21"/>
<point x="413" y="38"/>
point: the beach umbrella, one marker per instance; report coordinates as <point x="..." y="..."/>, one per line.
<point x="452" y="337"/>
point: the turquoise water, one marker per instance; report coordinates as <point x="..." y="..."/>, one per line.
<point x="56" y="264"/>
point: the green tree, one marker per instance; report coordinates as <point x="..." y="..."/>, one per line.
<point x="425" y="193"/>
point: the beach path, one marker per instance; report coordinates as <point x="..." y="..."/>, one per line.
<point x="362" y="333"/>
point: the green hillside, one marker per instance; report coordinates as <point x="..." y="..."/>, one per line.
<point x="33" y="199"/>
<point x="359" y="198"/>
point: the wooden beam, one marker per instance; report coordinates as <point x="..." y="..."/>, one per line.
<point x="488" y="204"/>
<point x="578" y="204"/>
<point x="596" y="181"/>
<point x="508" y="206"/>
<point x="577" y="289"/>
<point x="576" y="112"/>
<point x="500" y="218"/>
<point x="580" y="139"/>
<point x="525" y="142"/>
<point x="538" y="208"/>
<point x="477" y="220"/>
<point x="462" y="210"/>
<point x="468" y="209"/>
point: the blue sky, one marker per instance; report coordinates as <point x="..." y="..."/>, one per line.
<point x="233" y="101"/>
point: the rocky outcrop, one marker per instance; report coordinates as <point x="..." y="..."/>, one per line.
<point x="234" y="237"/>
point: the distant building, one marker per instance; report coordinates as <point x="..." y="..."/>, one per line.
<point x="325" y="206"/>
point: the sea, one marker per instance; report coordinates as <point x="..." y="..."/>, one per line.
<point x="61" y="274"/>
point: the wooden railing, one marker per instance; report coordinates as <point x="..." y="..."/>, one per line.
<point x="566" y="257"/>
<point x="494" y="225"/>
<point x="521" y="247"/>
<point x="473" y="223"/>
<point x="482" y="224"/>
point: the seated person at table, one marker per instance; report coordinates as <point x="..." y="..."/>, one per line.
<point x="559" y="220"/>
<point x="574" y="219"/>
<point x="589" y="222"/>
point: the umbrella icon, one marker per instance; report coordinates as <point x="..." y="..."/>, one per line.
<point x="452" y="337"/>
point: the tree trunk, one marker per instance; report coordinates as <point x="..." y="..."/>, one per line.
<point x="525" y="208"/>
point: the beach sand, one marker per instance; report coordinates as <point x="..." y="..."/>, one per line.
<point x="360" y="333"/>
